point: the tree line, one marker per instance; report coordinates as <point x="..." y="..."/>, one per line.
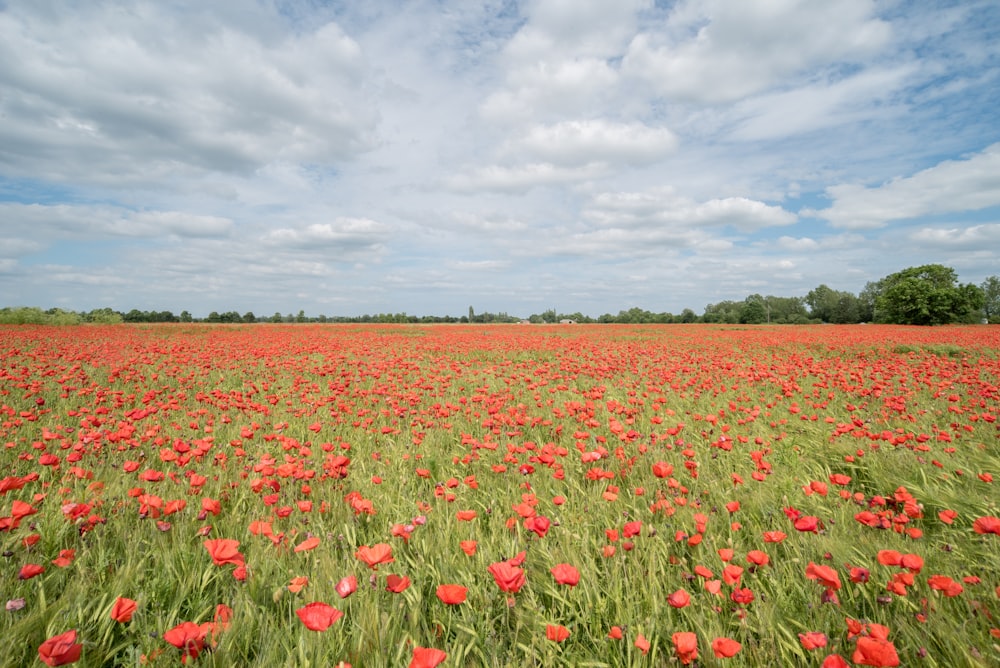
<point x="925" y="295"/>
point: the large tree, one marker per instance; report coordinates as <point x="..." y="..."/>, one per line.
<point x="925" y="295"/>
<point x="991" y="298"/>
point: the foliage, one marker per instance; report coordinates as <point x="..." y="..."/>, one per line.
<point x="926" y="295"/>
<point x="277" y="495"/>
<point x="991" y="298"/>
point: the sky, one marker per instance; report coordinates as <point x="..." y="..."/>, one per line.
<point x="425" y="156"/>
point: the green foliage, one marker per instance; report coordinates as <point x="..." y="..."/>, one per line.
<point x="926" y="295"/>
<point x="991" y="298"/>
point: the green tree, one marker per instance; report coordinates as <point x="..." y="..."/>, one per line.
<point x="991" y="298"/>
<point x="926" y="295"/>
<point x="753" y="310"/>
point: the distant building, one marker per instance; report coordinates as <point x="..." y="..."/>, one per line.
<point x="567" y="321"/>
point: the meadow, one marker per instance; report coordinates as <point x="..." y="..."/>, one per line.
<point x="324" y="495"/>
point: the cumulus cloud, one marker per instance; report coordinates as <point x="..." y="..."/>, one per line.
<point x="950" y="186"/>
<point x="72" y="221"/>
<point x="585" y="142"/>
<point x="523" y="177"/>
<point x="973" y="237"/>
<point x="345" y="234"/>
<point x="665" y="207"/>
<point x="112" y="96"/>
<point x="724" y="50"/>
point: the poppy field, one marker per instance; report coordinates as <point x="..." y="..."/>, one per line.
<point x="324" y="495"/>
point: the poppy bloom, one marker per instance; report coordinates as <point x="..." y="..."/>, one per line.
<point x="642" y="643"/>
<point x="824" y="574"/>
<point x="347" y="586"/>
<point x="29" y="571"/>
<point x="985" y="525"/>
<point x="308" y="544"/>
<point x="318" y="616"/>
<point x="774" y="536"/>
<point x="566" y="574"/>
<point x="812" y="640"/>
<point x="375" y="555"/>
<point x="427" y="657"/>
<point x="298" y="584"/>
<point x="123" y="609"/>
<point x="686" y="646"/>
<point x="679" y="599"/>
<point x="60" y="650"/>
<point x="615" y="633"/>
<point x="508" y="578"/>
<point x="189" y="638"/>
<point x="724" y="648"/>
<point x="469" y="547"/>
<point x="889" y="558"/>
<point x="451" y="594"/>
<point x="556" y="632"/>
<point x="540" y="525"/>
<point x="397" y="584"/>
<point x="871" y="651"/>
<point x="466" y="515"/>
<point x="224" y="551"/>
<point x="835" y="661"/>
<point x="758" y="558"/>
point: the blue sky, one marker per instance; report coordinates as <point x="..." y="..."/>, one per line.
<point x="424" y="156"/>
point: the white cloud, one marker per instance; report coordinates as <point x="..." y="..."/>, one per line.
<point x="71" y="221"/>
<point x="522" y="177"/>
<point x="723" y="50"/>
<point x="973" y="237"/>
<point x="950" y="186"/>
<point x="112" y="96"/>
<point x="347" y="234"/>
<point x="584" y="142"/>
<point x="664" y="207"/>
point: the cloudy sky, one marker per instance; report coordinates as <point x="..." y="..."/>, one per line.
<point x="424" y="156"/>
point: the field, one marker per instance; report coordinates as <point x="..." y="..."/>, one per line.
<point x="304" y="495"/>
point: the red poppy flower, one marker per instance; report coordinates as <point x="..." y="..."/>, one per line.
<point x="469" y="547"/>
<point x="642" y="643"/>
<point x="758" y="558"/>
<point x="686" y="646"/>
<point x="539" y="524"/>
<point x="615" y="633"/>
<point x="308" y="544"/>
<point x="508" y="578"/>
<point x="812" y="640"/>
<point x="466" y="515"/>
<point x="451" y="594"/>
<point x="29" y="571"/>
<point x="397" y="584"/>
<point x="298" y="584"/>
<point x="824" y="574"/>
<point x="835" y="661"/>
<point x="985" y="525"/>
<point x="60" y="650"/>
<point x="189" y="638"/>
<point x="679" y="599"/>
<point x="347" y="586"/>
<point x="566" y="574"/>
<point x="871" y="651"/>
<point x="427" y="657"/>
<point x="889" y="557"/>
<point x="724" y="648"/>
<point x="318" y="616"/>
<point x="774" y="536"/>
<point x="224" y="551"/>
<point x="123" y="609"/>
<point x="375" y="555"/>
<point x="556" y="632"/>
